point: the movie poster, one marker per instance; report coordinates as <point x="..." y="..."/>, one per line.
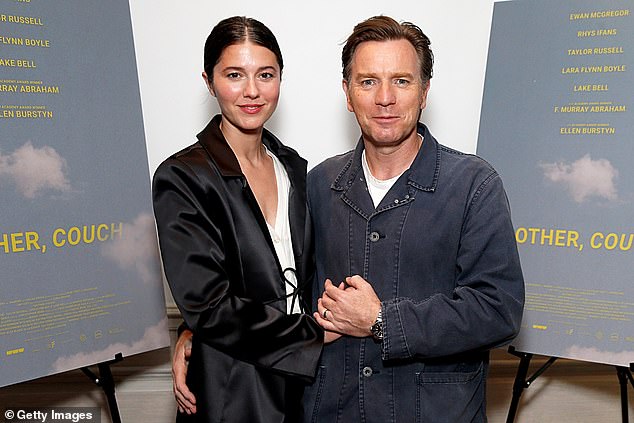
<point x="557" y="124"/>
<point x="80" y="276"/>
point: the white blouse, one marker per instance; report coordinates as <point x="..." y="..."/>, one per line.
<point x="281" y="235"/>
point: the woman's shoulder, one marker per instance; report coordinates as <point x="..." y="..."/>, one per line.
<point x="190" y="157"/>
<point x="191" y="165"/>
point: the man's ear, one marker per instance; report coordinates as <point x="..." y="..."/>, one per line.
<point x="344" y="85"/>
<point x="423" y="102"/>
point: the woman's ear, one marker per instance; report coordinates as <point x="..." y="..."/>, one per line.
<point x="209" y="84"/>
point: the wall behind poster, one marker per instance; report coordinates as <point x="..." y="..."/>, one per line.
<point x="80" y="276"/>
<point x="557" y="124"/>
<point x="312" y="116"/>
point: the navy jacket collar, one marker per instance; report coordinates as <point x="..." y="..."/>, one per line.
<point x="422" y="174"/>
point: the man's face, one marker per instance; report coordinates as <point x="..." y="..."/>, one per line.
<point x="385" y="91"/>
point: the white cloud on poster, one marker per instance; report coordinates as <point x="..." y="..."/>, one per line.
<point x="34" y="170"/>
<point x="154" y="337"/>
<point x="622" y="358"/>
<point x="137" y="249"/>
<point x="584" y="178"/>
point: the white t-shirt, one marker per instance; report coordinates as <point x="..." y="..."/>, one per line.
<point x="376" y="187"/>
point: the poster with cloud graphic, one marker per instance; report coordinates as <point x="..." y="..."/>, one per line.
<point x="80" y="277"/>
<point x="557" y="124"/>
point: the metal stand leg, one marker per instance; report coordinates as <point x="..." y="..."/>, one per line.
<point x="519" y="385"/>
<point x="521" y="382"/>
<point x="624" y="374"/>
<point x="106" y="382"/>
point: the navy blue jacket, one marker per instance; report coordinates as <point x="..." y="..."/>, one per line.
<point x="441" y="255"/>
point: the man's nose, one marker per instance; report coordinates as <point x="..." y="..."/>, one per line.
<point x="385" y="95"/>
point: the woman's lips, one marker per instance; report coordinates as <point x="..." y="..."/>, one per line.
<point x="251" y="108"/>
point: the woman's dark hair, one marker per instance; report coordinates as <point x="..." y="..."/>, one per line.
<point x="236" y="30"/>
<point x="384" y="28"/>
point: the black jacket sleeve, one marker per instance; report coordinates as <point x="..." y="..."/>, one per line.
<point x="201" y="277"/>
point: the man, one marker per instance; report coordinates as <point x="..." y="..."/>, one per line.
<point x="418" y="240"/>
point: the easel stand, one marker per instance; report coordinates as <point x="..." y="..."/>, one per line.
<point x="521" y="382"/>
<point x="106" y="382"/>
<point x="624" y="374"/>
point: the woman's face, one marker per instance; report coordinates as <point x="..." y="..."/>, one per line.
<point x="246" y="83"/>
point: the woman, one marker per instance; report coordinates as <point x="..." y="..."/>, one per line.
<point x="236" y="244"/>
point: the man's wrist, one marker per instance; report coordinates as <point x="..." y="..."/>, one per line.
<point x="377" y="327"/>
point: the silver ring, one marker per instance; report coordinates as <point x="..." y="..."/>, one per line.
<point x="324" y="314"/>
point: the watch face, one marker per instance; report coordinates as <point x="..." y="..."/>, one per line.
<point x="377" y="327"/>
<point x="377" y="330"/>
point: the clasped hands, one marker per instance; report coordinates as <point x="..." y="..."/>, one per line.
<point x="350" y="308"/>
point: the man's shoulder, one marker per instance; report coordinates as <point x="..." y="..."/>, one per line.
<point x="330" y="168"/>
<point x="457" y="162"/>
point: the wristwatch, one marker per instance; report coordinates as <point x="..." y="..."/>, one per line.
<point x="377" y="327"/>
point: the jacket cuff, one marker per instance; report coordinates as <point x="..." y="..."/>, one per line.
<point x="182" y="328"/>
<point x="394" y="345"/>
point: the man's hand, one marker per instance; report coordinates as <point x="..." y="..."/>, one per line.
<point x="182" y="351"/>
<point x="351" y="310"/>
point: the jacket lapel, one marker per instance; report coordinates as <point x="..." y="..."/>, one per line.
<point x="351" y="182"/>
<point x="295" y="167"/>
<point x="214" y="142"/>
<point x="424" y="177"/>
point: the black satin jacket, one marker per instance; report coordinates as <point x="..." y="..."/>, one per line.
<point x="249" y="358"/>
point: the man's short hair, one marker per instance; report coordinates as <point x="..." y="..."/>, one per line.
<point x="384" y="28"/>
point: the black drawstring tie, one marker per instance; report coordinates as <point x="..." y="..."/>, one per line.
<point x="295" y="293"/>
